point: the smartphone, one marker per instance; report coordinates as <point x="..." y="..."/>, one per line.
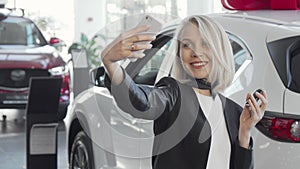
<point x="155" y="27"/>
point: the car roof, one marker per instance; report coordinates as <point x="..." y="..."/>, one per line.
<point x="280" y="17"/>
<point x="13" y="13"/>
<point x="17" y="19"/>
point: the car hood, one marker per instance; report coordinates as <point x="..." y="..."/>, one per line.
<point x="34" y="58"/>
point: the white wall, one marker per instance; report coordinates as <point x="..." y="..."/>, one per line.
<point x="200" y="6"/>
<point x="89" y="17"/>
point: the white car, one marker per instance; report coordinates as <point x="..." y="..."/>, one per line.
<point x="266" y="46"/>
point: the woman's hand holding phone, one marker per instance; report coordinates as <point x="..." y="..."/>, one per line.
<point x="154" y="28"/>
<point x="121" y="48"/>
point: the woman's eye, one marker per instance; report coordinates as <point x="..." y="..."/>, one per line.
<point x="186" y="45"/>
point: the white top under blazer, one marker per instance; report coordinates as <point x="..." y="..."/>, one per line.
<point x="219" y="153"/>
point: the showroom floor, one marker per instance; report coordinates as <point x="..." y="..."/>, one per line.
<point x="12" y="145"/>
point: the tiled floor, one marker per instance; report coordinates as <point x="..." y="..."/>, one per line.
<point x="12" y="145"/>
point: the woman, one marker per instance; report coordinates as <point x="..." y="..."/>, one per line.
<point x="195" y="127"/>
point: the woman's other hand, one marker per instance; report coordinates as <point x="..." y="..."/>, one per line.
<point x="125" y="46"/>
<point x="251" y="115"/>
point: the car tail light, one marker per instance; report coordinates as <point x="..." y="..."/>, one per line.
<point x="284" y="129"/>
<point x="65" y="90"/>
<point x="62" y="71"/>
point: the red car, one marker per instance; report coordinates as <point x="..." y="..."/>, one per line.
<point x="25" y="53"/>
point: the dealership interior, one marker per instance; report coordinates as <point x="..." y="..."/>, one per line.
<point x="51" y="76"/>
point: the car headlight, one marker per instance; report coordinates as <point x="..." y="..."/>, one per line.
<point x="60" y="70"/>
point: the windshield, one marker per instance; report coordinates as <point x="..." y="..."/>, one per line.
<point x="19" y="31"/>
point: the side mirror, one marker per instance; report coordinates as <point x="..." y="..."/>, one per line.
<point x="57" y="43"/>
<point x="97" y="76"/>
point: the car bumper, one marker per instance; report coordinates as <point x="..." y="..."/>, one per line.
<point x="19" y="101"/>
<point x="13" y="100"/>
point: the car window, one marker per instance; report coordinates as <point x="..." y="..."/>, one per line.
<point x="20" y="32"/>
<point x="12" y="33"/>
<point x="33" y="35"/>
<point x="148" y="73"/>
<point x="295" y="71"/>
<point x="241" y="55"/>
<point x="285" y="54"/>
<point x="240" y="52"/>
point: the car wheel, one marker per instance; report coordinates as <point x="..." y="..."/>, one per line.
<point x="81" y="152"/>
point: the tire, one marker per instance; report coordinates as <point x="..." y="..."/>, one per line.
<point x="81" y="152"/>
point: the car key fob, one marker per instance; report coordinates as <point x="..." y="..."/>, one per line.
<point x="255" y="97"/>
<point x="258" y="91"/>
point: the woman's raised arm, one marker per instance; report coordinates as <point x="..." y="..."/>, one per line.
<point x="125" y="46"/>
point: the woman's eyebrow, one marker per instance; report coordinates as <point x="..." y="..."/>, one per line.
<point x="190" y="40"/>
<point x="186" y="39"/>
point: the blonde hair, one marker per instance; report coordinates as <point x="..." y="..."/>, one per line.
<point x="222" y="71"/>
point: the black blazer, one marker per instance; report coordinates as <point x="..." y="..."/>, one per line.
<point x="182" y="133"/>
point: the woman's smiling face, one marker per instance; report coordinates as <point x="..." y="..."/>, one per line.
<point x="194" y="52"/>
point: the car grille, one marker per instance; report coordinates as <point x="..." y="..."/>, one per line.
<point x="19" y="78"/>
